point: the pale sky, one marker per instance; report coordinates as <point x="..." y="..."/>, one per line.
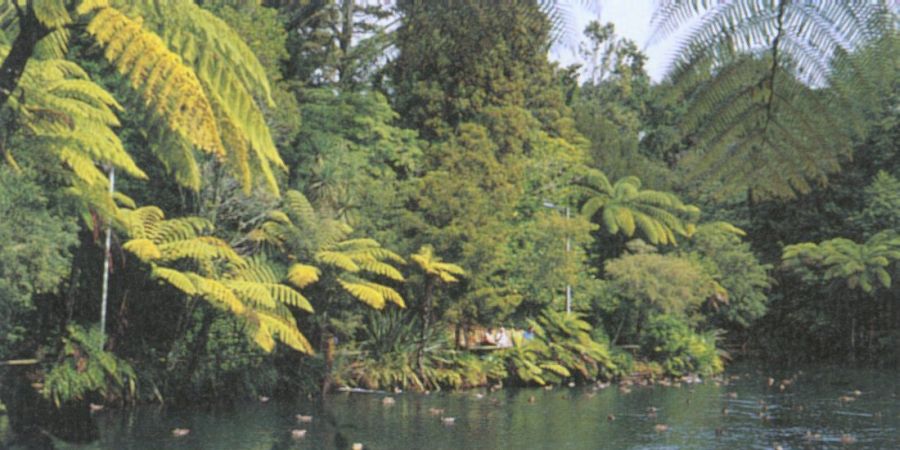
<point x="632" y="20"/>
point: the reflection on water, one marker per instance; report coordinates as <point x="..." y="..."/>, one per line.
<point x="745" y="413"/>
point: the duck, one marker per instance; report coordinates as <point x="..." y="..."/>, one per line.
<point x="610" y="417"/>
<point x="388" y="401"/>
<point x="720" y="432"/>
<point x="625" y="389"/>
<point x="531" y="399"/>
<point x="448" y="420"/>
<point x="847" y="439"/>
<point x="857" y="393"/>
<point x="357" y="446"/>
<point x="846" y="399"/>
<point x="435" y="411"/>
<point x="95" y="407"/>
<point x="571" y="384"/>
<point x="298" y="434"/>
<point x="263" y="399"/>
<point x="179" y="432"/>
<point x="661" y="428"/>
<point x="812" y="437"/>
<point x="304" y="419"/>
<point x="651" y="412"/>
<point x="777" y="447"/>
<point x="725" y="411"/>
<point x="731" y="395"/>
<point x="479" y="396"/>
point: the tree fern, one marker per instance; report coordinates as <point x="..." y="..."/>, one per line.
<point x="70" y="119"/>
<point x="750" y="128"/>
<point x="231" y="75"/>
<point x="760" y="122"/>
<point x="297" y="230"/>
<point x="182" y="256"/>
<point x="195" y="75"/>
<point x="810" y="34"/>
<point x="167" y="86"/>
<point x="625" y="207"/>
<point x="864" y="266"/>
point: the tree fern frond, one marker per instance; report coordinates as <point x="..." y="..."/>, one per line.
<point x="388" y="293"/>
<point x="337" y="259"/>
<point x="51" y="13"/>
<point x="302" y="275"/>
<point x="380" y="268"/>
<point x="217" y="293"/>
<point x="176" y="278"/>
<point x="230" y="72"/>
<point x="54" y="45"/>
<point x="180" y="229"/>
<point x="289" y="296"/>
<point x="284" y="330"/>
<point x="166" y="84"/>
<point x="363" y="292"/>
<point x="257" y="295"/>
<point x="144" y="249"/>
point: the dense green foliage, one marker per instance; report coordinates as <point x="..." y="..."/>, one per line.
<point x="309" y="196"/>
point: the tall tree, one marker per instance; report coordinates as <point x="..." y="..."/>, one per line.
<point x="479" y="88"/>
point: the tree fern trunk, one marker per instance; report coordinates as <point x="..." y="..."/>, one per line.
<point x="30" y="32"/>
<point x="200" y="342"/>
<point x="426" y="320"/>
<point x="328" y="351"/>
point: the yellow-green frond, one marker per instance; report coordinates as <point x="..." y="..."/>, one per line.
<point x="289" y="296"/>
<point x="302" y="275"/>
<point x="364" y="293"/>
<point x="380" y="268"/>
<point x="51" y="13"/>
<point x="144" y="249"/>
<point x="217" y="293"/>
<point x="167" y="85"/>
<point x="177" y="279"/>
<point x="252" y="293"/>
<point x="388" y="293"/>
<point x="337" y="259"/>
<point x="284" y="330"/>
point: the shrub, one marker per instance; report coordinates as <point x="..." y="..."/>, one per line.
<point x="679" y="349"/>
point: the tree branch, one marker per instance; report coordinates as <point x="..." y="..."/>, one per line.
<point x="771" y="100"/>
<point x="31" y="31"/>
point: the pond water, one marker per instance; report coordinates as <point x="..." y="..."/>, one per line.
<point x="816" y="411"/>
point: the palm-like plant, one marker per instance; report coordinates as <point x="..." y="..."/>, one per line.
<point x="746" y="68"/>
<point x="300" y="232"/>
<point x="198" y="81"/>
<point x="809" y="34"/>
<point x="626" y="208"/>
<point x="182" y="254"/>
<point x="436" y="271"/>
<point x="751" y="129"/>
<point x="862" y="267"/>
